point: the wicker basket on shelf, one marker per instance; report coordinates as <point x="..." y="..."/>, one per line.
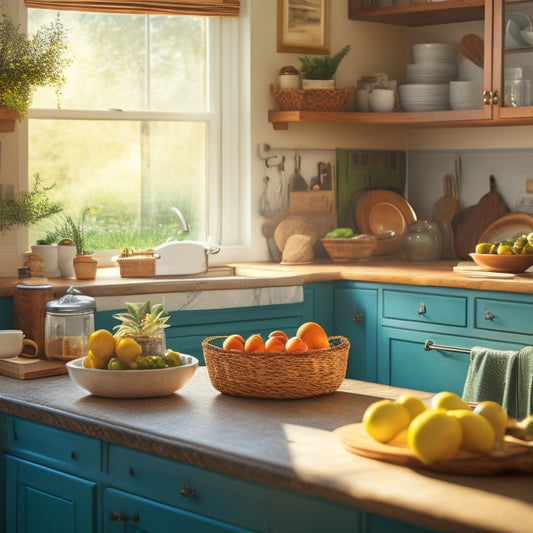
<point x="311" y="99"/>
<point x="276" y="376"/>
<point x="137" y="265"/>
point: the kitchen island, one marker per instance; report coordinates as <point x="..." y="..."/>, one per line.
<point x="286" y="446"/>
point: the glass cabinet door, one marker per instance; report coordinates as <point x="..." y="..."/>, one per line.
<point x="514" y="78"/>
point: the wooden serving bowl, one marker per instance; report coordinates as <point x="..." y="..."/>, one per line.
<point x="353" y="250"/>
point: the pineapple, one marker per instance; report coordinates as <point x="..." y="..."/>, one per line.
<point x="144" y="323"/>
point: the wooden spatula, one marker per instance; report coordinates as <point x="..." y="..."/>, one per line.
<point x="471" y="46"/>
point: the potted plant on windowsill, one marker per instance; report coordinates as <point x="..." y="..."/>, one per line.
<point x="28" y="63"/>
<point x="318" y="72"/>
<point x="85" y="266"/>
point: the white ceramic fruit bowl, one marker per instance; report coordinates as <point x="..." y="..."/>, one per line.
<point x="133" y="383"/>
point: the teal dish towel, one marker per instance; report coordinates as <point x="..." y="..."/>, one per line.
<point x="503" y="376"/>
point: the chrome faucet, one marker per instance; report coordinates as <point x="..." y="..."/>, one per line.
<point x="184" y="223"/>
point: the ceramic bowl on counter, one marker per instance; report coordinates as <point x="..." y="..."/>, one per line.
<point x="148" y="383"/>
<point x="353" y="250"/>
<point x="503" y="263"/>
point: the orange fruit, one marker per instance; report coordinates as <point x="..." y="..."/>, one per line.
<point x="254" y="343"/>
<point x="279" y="333"/>
<point x="275" y="344"/>
<point x="296" y="345"/>
<point x="234" y="342"/>
<point x="313" y="335"/>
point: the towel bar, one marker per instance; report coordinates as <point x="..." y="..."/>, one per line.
<point x="430" y="345"/>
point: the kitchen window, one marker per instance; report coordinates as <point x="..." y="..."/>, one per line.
<point x="140" y="127"/>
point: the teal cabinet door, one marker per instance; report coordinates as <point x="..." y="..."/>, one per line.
<point x="43" y="500"/>
<point x="124" y="512"/>
<point x="355" y="314"/>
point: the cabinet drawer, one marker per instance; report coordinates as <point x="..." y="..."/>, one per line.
<point x="52" y="446"/>
<point x="425" y="307"/>
<point x="215" y="495"/>
<point x="501" y="315"/>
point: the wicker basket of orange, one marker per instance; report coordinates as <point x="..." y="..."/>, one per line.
<point x="280" y="368"/>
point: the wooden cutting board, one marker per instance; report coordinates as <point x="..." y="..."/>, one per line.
<point x="516" y="457"/>
<point x="473" y="221"/>
<point x="23" y="368"/>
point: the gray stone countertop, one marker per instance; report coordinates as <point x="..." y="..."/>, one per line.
<point x="282" y="444"/>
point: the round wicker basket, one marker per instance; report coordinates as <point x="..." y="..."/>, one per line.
<point x="276" y="376"/>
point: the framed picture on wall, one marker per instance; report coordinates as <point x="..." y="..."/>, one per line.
<point x="303" y="26"/>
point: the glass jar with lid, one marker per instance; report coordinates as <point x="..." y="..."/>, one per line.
<point x="69" y="323"/>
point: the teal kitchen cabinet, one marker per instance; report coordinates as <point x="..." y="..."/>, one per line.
<point x="355" y="312"/>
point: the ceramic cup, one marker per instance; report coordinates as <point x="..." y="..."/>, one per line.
<point x="381" y="100"/>
<point x="13" y="343"/>
<point x="361" y="100"/>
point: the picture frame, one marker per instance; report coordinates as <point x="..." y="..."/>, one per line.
<point x="303" y="27"/>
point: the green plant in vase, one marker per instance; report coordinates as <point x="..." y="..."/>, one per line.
<point x="146" y="324"/>
<point x="30" y="62"/>
<point x="322" y="67"/>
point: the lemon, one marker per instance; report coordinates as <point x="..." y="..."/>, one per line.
<point x="384" y="419"/>
<point x="505" y="249"/>
<point x="527" y="425"/>
<point x="434" y="436"/>
<point x="448" y="400"/>
<point x="173" y="358"/>
<point x="90" y="361"/>
<point x="102" y="344"/>
<point x="478" y="435"/>
<point x="127" y="349"/>
<point x="412" y="403"/>
<point x="483" y="248"/>
<point x="497" y="417"/>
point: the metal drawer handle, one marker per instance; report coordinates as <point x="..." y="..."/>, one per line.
<point x="187" y="491"/>
<point x="123" y="517"/>
<point x="422" y="308"/>
<point x="357" y="317"/>
<point x="490" y="316"/>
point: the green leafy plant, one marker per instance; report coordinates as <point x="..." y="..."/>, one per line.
<point x="27" y="63"/>
<point x="75" y="230"/>
<point x="28" y="207"/>
<point x="322" y="67"/>
<point x="141" y="319"/>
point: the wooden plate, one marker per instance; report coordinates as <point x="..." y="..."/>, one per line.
<point x="503" y="263"/>
<point x="517" y="456"/>
<point x="507" y="227"/>
<point x="380" y="212"/>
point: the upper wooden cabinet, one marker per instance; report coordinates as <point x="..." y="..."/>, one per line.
<point x="495" y="111"/>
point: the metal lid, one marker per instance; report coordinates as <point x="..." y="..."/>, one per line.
<point x="72" y="302"/>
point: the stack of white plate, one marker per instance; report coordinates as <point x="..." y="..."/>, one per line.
<point x="425" y="97"/>
<point x="428" y="77"/>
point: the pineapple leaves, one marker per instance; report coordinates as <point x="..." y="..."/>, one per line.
<point x="141" y="319"/>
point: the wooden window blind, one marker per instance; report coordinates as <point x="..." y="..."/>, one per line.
<point x="219" y="8"/>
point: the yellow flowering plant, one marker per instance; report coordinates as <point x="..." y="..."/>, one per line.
<point x="30" y="62"/>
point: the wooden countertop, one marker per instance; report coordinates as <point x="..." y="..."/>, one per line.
<point x="267" y="274"/>
<point x="283" y="444"/>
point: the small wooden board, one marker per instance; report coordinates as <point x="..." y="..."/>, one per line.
<point x="517" y="456"/>
<point x="24" y="368"/>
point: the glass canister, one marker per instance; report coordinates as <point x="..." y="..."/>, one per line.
<point x="422" y="242"/>
<point x="69" y="323"/>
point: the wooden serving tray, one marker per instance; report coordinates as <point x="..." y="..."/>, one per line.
<point x="516" y="457"/>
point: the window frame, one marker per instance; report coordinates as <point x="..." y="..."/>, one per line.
<point x="225" y="183"/>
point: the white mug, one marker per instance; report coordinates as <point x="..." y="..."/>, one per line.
<point x="12" y="343"/>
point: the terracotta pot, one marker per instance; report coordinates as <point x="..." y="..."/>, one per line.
<point x="85" y="267"/>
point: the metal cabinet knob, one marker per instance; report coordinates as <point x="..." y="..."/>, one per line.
<point x="357" y="317"/>
<point x="123" y="517"/>
<point x="187" y="491"/>
<point x="490" y="316"/>
<point x="422" y="308"/>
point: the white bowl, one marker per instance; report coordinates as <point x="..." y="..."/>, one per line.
<point x="527" y="35"/>
<point x="466" y="95"/>
<point x="434" y="53"/>
<point x="468" y="71"/>
<point x="133" y="383"/>
<point x="513" y="38"/>
<point x="381" y="100"/>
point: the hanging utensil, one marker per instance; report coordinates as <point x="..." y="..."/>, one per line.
<point x="264" y="202"/>
<point x="298" y="182"/>
<point x="283" y="186"/>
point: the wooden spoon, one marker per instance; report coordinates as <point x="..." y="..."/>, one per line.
<point x="471" y="46"/>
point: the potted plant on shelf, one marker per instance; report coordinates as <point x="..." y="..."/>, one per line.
<point x="318" y="72"/>
<point x="146" y="324"/>
<point x="30" y="62"/>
